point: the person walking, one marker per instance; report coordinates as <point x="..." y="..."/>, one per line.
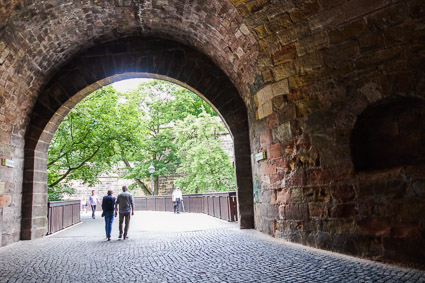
<point x="108" y="205"/>
<point x="93" y="200"/>
<point x="177" y="197"/>
<point x="125" y="202"/>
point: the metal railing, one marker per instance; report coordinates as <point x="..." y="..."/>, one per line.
<point x="62" y="214"/>
<point x="220" y="205"/>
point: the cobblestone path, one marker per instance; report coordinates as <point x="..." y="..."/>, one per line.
<point x="182" y="248"/>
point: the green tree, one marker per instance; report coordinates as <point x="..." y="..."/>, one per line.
<point x="107" y="128"/>
<point x="206" y="167"/>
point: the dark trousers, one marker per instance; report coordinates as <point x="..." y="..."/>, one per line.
<point x="177" y="205"/>
<point x="109" y="219"/>
<point x="126" y="217"/>
<point x="93" y="210"/>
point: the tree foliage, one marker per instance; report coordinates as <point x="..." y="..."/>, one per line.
<point x="205" y="165"/>
<point x="136" y="128"/>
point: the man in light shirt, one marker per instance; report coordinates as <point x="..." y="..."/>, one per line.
<point x="177" y="197"/>
<point x="93" y="200"/>
<point x="125" y="201"/>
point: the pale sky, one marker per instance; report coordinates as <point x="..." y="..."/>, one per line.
<point x="130" y="84"/>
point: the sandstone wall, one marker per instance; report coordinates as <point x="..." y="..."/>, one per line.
<point x="306" y="71"/>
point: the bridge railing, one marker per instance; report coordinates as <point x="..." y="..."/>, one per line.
<point x="222" y="205"/>
<point x="62" y="214"/>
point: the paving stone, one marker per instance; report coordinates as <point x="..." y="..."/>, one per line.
<point x="182" y="248"/>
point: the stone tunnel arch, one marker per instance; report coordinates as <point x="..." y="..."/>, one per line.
<point x="111" y="61"/>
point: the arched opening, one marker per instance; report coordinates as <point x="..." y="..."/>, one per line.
<point x="117" y="60"/>
<point x="389" y="133"/>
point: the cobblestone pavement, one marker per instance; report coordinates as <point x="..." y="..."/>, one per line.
<point x="164" y="247"/>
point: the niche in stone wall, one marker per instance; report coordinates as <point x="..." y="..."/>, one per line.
<point x="389" y="133"/>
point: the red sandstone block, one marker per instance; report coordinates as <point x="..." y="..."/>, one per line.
<point x="265" y="139"/>
<point x="343" y="193"/>
<point x="272" y="121"/>
<point x="296" y="179"/>
<point x="375" y="227"/>
<point x="282" y="165"/>
<point x="318" y="177"/>
<point x="319" y="210"/>
<point x="284" y="54"/>
<point x="5" y="200"/>
<point x="343" y="211"/>
<point x="405" y="230"/>
<point x="266" y="168"/>
<point x="283" y="196"/>
<point x="274" y="151"/>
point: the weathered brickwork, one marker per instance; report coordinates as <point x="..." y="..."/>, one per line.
<point x="305" y="70"/>
<point x="337" y="58"/>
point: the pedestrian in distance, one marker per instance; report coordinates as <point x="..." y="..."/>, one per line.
<point x="125" y="202"/>
<point x="93" y="200"/>
<point x="83" y="203"/>
<point x="177" y="197"/>
<point x="108" y="206"/>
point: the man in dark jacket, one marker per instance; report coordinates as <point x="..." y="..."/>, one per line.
<point x="108" y="204"/>
<point x="126" y="203"/>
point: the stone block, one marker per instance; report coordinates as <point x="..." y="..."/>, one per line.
<point x="316" y="194"/>
<point x="296" y="195"/>
<point x="296" y="211"/>
<point x="378" y="58"/>
<point x="274" y="151"/>
<point x="409" y="230"/>
<point x="343" y="211"/>
<point x="370" y="41"/>
<point x="283" y="196"/>
<point x="287" y="112"/>
<point x="292" y="33"/>
<point x="416" y="8"/>
<point x="280" y="88"/>
<point x="337" y="55"/>
<point x="312" y="43"/>
<point x="343" y="193"/>
<point x="388" y="17"/>
<point x="265" y="139"/>
<point x="278" y="23"/>
<point x="297" y="178"/>
<point x="261" y="31"/>
<point x="361" y="7"/>
<point x="5" y="200"/>
<point x="306" y="11"/>
<point x="283" y="132"/>
<point x="284" y="71"/>
<point x="302" y="80"/>
<point x="318" y="210"/>
<point x="348" y="32"/>
<point x="265" y="110"/>
<point x="308" y="62"/>
<point x="318" y="177"/>
<point x="327" y="18"/>
<point x="267" y="76"/>
<point x="303" y="143"/>
<point x="256" y="5"/>
<point x="284" y="54"/>
<point x="338" y="227"/>
<point x="282" y="165"/>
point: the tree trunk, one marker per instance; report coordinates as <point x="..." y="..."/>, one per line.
<point x="156" y="185"/>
